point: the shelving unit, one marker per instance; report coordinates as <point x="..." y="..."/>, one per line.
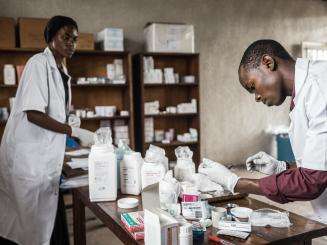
<point x="172" y="115"/>
<point x="89" y="63"/>
<point x="167" y="95"/>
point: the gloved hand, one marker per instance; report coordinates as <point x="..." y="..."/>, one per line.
<point x="265" y="164"/>
<point x="74" y="121"/>
<point x="86" y="137"/>
<point x="204" y="184"/>
<point x="219" y="174"/>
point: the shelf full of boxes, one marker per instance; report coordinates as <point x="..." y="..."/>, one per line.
<point x="101" y="80"/>
<point x="166" y="90"/>
<point x="167" y="110"/>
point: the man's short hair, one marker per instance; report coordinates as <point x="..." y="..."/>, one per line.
<point x="253" y="54"/>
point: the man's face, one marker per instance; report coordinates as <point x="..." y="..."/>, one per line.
<point x="264" y="83"/>
<point x="64" y="42"/>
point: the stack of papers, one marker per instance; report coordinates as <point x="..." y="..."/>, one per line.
<point x="78" y="153"/>
<point x="78" y="163"/>
<point x="75" y="182"/>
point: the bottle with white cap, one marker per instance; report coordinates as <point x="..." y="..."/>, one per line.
<point x="130" y="173"/>
<point x="185" y="234"/>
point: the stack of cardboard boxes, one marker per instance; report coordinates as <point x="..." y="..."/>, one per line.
<point x="30" y="34"/>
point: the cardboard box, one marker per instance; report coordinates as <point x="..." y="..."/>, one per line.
<point x="164" y="37"/>
<point x="7" y="33"/>
<point x="110" y="39"/>
<point x="31" y="32"/>
<point x="85" y="41"/>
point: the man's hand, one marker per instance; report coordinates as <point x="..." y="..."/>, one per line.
<point x="219" y="174"/>
<point x="264" y="163"/>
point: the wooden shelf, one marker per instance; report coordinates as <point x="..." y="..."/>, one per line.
<point x="157" y="54"/>
<point x="173" y="144"/>
<point x="102" y="52"/>
<point x="87" y="52"/>
<point x="170" y="85"/>
<point x="167" y="95"/>
<point x="99" y="85"/>
<point x="79" y="85"/>
<point x="21" y="50"/>
<point x="84" y="63"/>
<point x="8" y="86"/>
<point x="104" y="118"/>
<point x="172" y="115"/>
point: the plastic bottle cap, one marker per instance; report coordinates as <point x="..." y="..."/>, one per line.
<point x="128" y="202"/>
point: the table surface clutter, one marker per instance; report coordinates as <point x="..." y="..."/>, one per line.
<point x="302" y="230"/>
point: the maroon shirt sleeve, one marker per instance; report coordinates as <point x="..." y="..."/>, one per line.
<point x="297" y="184"/>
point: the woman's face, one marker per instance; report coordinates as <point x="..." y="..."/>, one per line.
<point x="65" y="40"/>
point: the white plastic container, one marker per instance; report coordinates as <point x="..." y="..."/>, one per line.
<point x="9" y="75"/>
<point x="169" y="189"/>
<point x="130" y="173"/>
<point x="184" y="169"/>
<point x="152" y="170"/>
<point x="103" y="171"/>
<point x="185" y="234"/>
<point x="160" y="155"/>
<point x="185" y="166"/>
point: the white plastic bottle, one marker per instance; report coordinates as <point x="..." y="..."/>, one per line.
<point x="103" y="168"/>
<point x="161" y="155"/>
<point x="152" y="170"/>
<point x="185" y="234"/>
<point x="9" y="74"/>
<point x="130" y="173"/>
<point x="169" y="189"/>
<point x="185" y="166"/>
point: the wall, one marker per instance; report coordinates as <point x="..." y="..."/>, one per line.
<point x="232" y="123"/>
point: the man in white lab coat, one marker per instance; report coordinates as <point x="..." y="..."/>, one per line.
<point x="271" y="74"/>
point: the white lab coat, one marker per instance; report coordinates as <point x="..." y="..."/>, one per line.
<point x="308" y="129"/>
<point x="31" y="157"/>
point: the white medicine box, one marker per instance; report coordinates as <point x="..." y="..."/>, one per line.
<point x="110" y="39"/>
<point x="163" y="37"/>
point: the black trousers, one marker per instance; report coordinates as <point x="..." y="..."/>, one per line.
<point x="60" y="234"/>
<point x="4" y="241"/>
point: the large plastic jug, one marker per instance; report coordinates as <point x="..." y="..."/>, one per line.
<point x="161" y="154"/>
<point x="102" y="168"/>
<point x="130" y="173"/>
<point x="152" y="170"/>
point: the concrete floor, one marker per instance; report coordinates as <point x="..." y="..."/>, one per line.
<point x="97" y="234"/>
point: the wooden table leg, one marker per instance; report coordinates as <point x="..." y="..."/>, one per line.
<point x="78" y="220"/>
<point x="307" y="242"/>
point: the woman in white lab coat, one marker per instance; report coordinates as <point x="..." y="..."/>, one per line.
<point x="268" y="71"/>
<point x="33" y="144"/>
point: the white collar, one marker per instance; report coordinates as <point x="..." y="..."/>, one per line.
<point x="301" y="73"/>
<point x="50" y="57"/>
<point x="47" y="51"/>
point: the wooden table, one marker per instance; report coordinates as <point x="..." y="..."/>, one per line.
<point x="301" y="232"/>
